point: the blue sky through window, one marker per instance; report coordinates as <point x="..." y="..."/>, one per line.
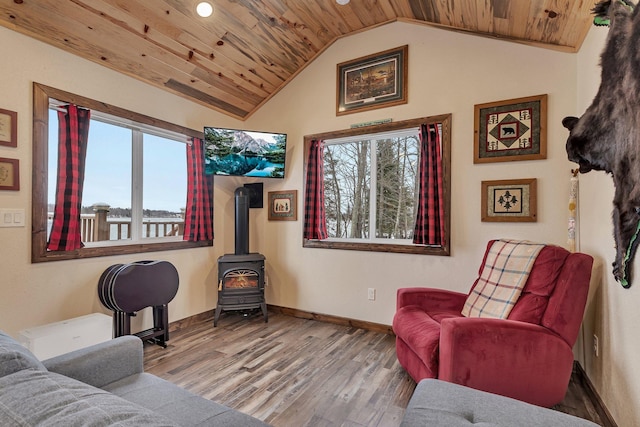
<point x="108" y="173"/>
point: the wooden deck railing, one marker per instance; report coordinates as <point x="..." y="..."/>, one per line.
<point x="117" y="229"/>
<point x="97" y="227"/>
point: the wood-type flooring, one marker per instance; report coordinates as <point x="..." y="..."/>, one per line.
<point x="298" y="372"/>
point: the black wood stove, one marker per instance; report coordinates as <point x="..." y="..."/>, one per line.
<point x="241" y="274"/>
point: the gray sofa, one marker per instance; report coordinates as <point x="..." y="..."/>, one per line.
<point x="438" y="403"/>
<point x="101" y="385"/>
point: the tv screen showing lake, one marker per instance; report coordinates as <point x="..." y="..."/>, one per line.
<point x="244" y="153"/>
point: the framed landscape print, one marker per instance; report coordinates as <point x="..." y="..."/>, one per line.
<point x="511" y="200"/>
<point x="8" y="128"/>
<point x="374" y="81"/>
<point x="282" y="205"/>
<point x="511" y="130"/>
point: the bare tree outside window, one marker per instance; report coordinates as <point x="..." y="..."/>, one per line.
<point x="358" y="201"/>
<point x="396" y="192"/>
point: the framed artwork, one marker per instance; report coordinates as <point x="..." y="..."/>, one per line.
<point x="510" y="130"/>
<point x="374" y="81"/>
<point x="9" y="174"/>
<point x="282" y="205"/>
<point x="511" y="200"/>
<point x="8" y="128"/>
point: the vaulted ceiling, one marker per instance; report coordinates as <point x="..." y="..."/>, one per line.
<point x="243" y="54"/>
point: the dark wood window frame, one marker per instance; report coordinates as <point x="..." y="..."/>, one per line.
<point x="39" y="252"/>
<point x="444" y="250"/>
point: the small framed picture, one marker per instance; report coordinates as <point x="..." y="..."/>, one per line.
<point x="374" y="81"/>
<point x="511" y="130"/>
<point x="282" y="205"/>
<point x="511" y="200"/>
<point x="9" y="174"/>
<point x="8" y="128"/>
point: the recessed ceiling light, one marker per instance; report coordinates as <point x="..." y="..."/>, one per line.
<point x="342" y="2"/>
<point x="205" y="9"/>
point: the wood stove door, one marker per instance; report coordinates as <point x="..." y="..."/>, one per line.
<point x="239" y="289"/>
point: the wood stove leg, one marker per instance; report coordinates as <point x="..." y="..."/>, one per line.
<point x="216" y="315"/>
<point x="264" y="311"/>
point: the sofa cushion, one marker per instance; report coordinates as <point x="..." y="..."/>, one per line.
<point x="181" y="406"/>
<point x="15" y="357"/>
<point x="31" y="398"/>
<point x="438" y="403"/>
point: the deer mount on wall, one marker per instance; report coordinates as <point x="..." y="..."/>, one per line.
<point x="607" y="136"/>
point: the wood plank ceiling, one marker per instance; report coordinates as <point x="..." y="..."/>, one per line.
<point x="243" y="54"/>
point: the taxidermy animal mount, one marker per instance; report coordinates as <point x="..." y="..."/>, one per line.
<point x="607" y="136"/>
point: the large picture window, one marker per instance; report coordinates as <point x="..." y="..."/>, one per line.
<point x="135" y="181"/>
<point x="381" y="188"/>
<point x="370" y="186"/>
<point x="128" y="174"/>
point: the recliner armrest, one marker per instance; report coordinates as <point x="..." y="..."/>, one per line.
<point x="101" y="364"/>
<point x="431" y="299"/>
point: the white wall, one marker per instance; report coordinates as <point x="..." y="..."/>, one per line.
<point x="448" y="73"/>
<point x="35" y="294"/>
<point x="615" y="373"/>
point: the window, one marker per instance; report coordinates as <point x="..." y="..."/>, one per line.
<point x="371" y="186"/>
<point x="134" y="205"/>
<point x="135" y="180"/>
<point x="369" y="206"/>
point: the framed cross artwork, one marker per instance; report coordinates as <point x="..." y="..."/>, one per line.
<point x="511" y="130"/>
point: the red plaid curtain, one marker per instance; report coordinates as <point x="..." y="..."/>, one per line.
<point x="73" y="135"/>
<point x="429" y="228"/>
<point x="315" y="224"/>
<point x="198" y="220"/>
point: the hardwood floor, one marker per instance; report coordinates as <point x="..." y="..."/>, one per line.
<point x="297" y="372"/>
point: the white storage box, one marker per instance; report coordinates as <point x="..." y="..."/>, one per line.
<point x="62" y="337"/>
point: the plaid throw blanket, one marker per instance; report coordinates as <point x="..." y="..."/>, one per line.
<point x="502" y="278"/>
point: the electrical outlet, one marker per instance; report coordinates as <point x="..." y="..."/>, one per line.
<point x="596" y="345"/>
<point x="371" y="294"/>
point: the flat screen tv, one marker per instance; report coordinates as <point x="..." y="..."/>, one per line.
<point x="234" y="152"/>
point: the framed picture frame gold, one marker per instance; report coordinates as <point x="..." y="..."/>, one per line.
<point x="515" y="129"/>
<point x="9" y="174"/>
<point x="8" y="128"/>
<point x="510" y="200"/>
<point x="374" y="81"/>
<point x="283" y="205"/>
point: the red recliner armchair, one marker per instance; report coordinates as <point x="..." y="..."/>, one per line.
<point x="527" y="356"/>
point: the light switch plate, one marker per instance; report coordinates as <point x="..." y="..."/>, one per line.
<point x="11" y="217"/>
